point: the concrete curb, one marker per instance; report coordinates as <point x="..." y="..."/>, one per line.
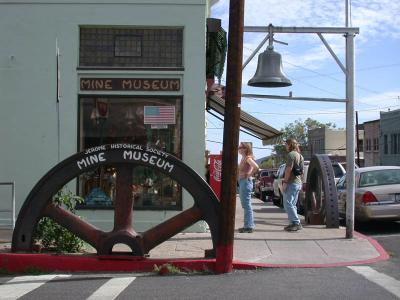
<point x="383" y="255"/>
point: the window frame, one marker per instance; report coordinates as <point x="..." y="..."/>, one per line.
<point x="179" y="206"/>
<point x="131" y="66"/>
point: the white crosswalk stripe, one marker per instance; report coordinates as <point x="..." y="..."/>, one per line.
<point x="388" y="283"/>
<point x="19" y="286"/>
<point x="112" y="288"/>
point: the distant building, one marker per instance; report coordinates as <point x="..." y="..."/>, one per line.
<point x="371" y="143"/>
<point x="390" y="138"/>
<point x="333" y="142"/>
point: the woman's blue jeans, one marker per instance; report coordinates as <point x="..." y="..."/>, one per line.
<point x="290" y="200"/>
<point x="245" y="189"/>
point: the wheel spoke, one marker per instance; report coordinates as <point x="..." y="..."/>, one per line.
<point x="123" y="199"/>
<point x="169" y="228"/>
<point x="73" y="223"/>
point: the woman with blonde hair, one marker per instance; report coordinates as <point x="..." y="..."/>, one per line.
<point x="246" y="169"/>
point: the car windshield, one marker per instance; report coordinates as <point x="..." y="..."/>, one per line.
<point x="338" y="171"/>
<point x="380" y="177"/>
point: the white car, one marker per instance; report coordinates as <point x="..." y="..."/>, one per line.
<point x="377" y="193"/>
<point x="277" y="198"/>
<point x="277" y="184"/>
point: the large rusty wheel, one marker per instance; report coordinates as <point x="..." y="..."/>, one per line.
<point x="321" y="196"/>
<point x="124" y="157"/>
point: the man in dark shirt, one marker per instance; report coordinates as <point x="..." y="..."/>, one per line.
<point x="291" y="185"/>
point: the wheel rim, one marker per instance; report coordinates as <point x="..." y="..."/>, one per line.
<point x="38" y="203"/>
<point x="321" y="196"/>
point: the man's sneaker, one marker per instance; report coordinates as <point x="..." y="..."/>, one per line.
<point x="246" y="230"/>
<point x="287" y="227"/>
<point x="293" y="227"/>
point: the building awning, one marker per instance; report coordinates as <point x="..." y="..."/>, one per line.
<point x="253" y="126"/>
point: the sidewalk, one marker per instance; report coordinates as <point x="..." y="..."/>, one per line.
<point x="269" y="245"/>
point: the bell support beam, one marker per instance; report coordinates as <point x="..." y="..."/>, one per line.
<point x="280" y="29"/>
<point x="332" y="53"/>
<point x="293" y="98"/>
<point x="349" y="34"/>
<point x="255" y="51"/>
<point x="350" y="136"/>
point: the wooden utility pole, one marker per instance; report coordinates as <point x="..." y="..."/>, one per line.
<point x="231" y="137"/>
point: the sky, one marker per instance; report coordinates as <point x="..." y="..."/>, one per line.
<point x="311" y="68"/>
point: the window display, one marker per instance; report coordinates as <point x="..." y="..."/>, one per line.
<point x="151" y="121"/>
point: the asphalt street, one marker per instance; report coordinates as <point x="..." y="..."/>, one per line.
<point x="388" y="235"/>
<point x="326" y="283"/>
<point x="375" y="281"/>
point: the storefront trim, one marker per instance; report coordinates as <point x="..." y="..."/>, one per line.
<point x="87" y="68"/>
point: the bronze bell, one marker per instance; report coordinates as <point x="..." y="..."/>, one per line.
<point x="269" y="71"/>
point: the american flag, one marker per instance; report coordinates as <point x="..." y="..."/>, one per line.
<point x="159" y="114"/>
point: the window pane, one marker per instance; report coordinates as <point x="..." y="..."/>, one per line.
<point x="337" y="170"/>
<point x="381" y="177"/>
<point x="398" y="143"/>
<point x="109" y="120"/>
<point x="131" y="47"/>
<point x="385" y="144"/>
<point x="376" y="144"/>
<point x="128" y="45"/>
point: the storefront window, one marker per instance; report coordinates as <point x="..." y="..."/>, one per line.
<point x="151" y="121"/>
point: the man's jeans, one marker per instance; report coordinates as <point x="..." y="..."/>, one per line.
<point x="245" y="189"/>
<point x="289" y="202"/>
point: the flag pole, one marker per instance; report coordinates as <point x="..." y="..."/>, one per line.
<point x="58" y="100"/>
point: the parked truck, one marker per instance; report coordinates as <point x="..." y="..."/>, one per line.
<point x="263" y="187"/>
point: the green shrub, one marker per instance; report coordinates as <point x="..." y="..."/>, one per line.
<point x="170" y="269"/>
<point x="52" y="236"/>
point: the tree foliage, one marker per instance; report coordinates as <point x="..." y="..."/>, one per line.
<point x="268" y="163"/>
<point x="299" y="131"/>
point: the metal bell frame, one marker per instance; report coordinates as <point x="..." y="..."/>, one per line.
<point x="348" y="70"/>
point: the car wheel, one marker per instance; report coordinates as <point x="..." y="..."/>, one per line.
<point x="275" y="200"/>
<point x="263" y="196"/>
<point x="280" y="200"/>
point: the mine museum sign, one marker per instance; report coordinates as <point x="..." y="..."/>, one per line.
<point x="130" y="84"/>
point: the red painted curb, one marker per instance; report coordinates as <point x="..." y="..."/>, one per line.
<point x="17" y="262"/>
<point x="383" y="255"/>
